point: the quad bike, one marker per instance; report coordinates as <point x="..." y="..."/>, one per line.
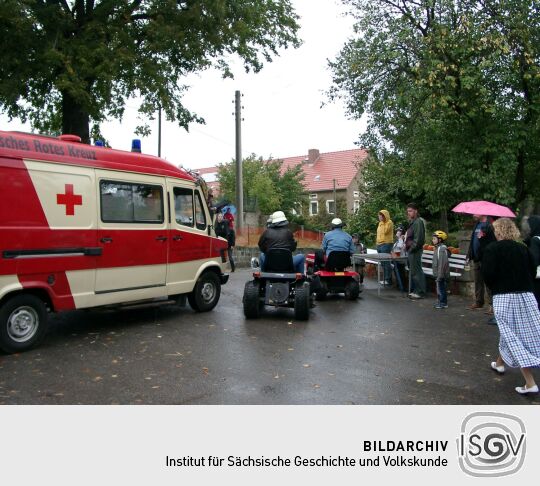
<point x="333" y="275"/>
<point x="278" y="285"/>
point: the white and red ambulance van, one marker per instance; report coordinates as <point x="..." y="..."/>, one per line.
<point x="85" y="226"/>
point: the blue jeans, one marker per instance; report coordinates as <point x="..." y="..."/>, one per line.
<point x="441" y="292"/>
<point x="387" y="267"/>
<point x="298" y="262"/>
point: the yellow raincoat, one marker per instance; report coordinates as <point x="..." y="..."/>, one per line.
<point x="385" y="230"/>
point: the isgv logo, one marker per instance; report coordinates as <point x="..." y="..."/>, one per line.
<point x="491" y="444"/>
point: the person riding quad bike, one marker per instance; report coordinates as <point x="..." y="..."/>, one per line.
<point x="329" y="264"/>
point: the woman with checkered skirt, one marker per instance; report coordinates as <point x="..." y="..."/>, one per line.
<point x="509" y="269"/>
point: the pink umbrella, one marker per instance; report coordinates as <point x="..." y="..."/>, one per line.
<point x="484" y="208"/>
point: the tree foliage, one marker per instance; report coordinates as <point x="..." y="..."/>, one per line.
<point x="451" y="91"/>
<point x="66" y="64"/>
<point x="265" y="182"/>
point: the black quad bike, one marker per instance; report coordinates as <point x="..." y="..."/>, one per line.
<point x="278" y="285"/>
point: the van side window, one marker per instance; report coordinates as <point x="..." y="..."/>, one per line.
<point x="200" y="217"/>
<point x="125" y="202"/>
<point x="183" y="206"/>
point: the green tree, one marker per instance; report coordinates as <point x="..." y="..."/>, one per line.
<point x="266" y="182"/>
<point x="66" y="64"/>
<point x="451" y="92"/>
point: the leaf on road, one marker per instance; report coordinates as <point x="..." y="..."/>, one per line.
<point x="205" y="371"/>
<point x="307" y="365"/>
<point x="419" y="380"/>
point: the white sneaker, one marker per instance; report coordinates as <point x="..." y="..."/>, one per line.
<point x="523" y="390"/>
<point x="382" y="282"/>
<point x="414" y="296"/>
<point x="498" y="369"/>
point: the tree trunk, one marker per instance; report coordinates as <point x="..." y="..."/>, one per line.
<point x="75" y="120"/>
<point x="520" y="177"/>
<point x="443" y="220"/>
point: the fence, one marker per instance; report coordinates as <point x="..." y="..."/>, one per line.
<point x="249" y="237"/>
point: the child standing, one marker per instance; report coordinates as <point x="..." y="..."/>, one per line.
<point x="441" y="267"/>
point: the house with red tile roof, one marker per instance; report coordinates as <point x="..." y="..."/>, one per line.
<point x="322" y="173"/>
<point x="325" y="171"/>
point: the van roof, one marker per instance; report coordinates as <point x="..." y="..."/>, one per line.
<point x="55" y="150"/>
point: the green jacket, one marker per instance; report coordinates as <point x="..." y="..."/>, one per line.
<point x="415" y="236"/>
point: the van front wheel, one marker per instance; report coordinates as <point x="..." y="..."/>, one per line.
<point x="205" y="295"/>
<point x="23" y="323"/>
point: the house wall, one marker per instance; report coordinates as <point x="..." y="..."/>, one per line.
<point x="323" y="196"/>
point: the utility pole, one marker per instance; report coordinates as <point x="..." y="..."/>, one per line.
<point x="239" y="178"/>
<point x="335" y="201"/>
<point x="159" y="132"/>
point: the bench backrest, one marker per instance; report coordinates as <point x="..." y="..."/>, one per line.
<point x="457" y="261"/>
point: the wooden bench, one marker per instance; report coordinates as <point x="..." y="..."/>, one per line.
<point x="456" y="260"/>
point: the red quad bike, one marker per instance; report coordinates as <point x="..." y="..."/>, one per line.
<point x="332" y="274"/>
<point x="278" y="285"/>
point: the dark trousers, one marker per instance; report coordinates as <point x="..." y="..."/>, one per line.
<point x="479" y="287"/>
<point x="418" y="279"/>
<point x="442" y="297"/>
<point x="231" y="259"/>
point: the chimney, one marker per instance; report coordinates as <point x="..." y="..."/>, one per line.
<point x="313" y="156"/>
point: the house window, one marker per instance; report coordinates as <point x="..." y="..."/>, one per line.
<point x="313" y="208"/>
<point x="330" y="207"/>
<point x="356" y="194"/>
<point x="313" y="196"/>
<point x="356" y="206"/>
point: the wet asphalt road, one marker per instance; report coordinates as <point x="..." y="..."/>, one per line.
<point x="378" y="350"/>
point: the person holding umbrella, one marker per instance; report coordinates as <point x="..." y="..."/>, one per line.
<point x="481" y="236"/>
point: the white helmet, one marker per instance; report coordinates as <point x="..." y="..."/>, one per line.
<point x="337" y="223"/>
<point x="278" y="217"/>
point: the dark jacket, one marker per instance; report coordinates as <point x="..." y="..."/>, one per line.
<point x="508" y="267"/>
<point x="277" y="236"/>
<point x="489" y="237"/>
<point x="532" y="241"/>
<point x="415" y="236"/>
<point x="223" y="230"/>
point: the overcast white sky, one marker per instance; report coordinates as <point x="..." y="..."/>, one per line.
<point x="282" y="112"/>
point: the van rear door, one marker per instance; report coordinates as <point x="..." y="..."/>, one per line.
<point x="132" y="231"/>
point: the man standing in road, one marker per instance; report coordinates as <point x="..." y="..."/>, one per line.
<point x="481" y="236"/>
<point x="414" y="243"/>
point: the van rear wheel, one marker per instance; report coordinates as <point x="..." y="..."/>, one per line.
<point x="23" y="323"/>
<point x="205" y="295"/>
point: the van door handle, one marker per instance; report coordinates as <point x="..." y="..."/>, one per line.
<point x="177" y="238"/>
<point x="161" y="238"/>
<point x="106" y="240"/>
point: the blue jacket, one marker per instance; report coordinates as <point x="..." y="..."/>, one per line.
<point x="338" y="240"/>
